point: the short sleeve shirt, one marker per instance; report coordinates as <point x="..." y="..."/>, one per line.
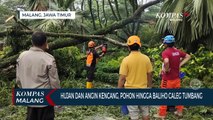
<point x="135" y="67"/>
<point x="174" y="55"/>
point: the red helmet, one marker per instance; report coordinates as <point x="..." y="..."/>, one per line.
<point x="91" y="44"/>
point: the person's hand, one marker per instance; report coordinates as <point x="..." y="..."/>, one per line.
<point x="165" y="71"/>
<point x="101" y="45"/>
<point x="180" y="65"/>
<point x="102" y="54"/>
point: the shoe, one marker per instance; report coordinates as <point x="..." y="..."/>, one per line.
<point x="179" y="114"/>
<point x="160" y="117"/>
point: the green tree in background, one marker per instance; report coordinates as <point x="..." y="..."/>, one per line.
<point x="196" y="26"/>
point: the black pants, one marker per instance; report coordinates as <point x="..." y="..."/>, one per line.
<point x="43" y="113"/>
<point x="90" y="74"/>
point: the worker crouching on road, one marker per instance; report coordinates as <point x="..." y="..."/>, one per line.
<point x="92" y="59"/>
<point x="136" y="72"/>
<point x="173" y="59"/>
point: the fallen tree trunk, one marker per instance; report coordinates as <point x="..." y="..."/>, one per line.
<point x="8" y="61"/>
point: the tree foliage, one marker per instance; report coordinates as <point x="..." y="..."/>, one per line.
<point x="195" y="26"/>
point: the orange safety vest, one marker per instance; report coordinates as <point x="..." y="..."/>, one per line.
<point x="89" y="59"/>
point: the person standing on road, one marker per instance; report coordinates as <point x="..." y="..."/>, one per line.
<point x="173" y="59"/>
<point x="92" y="59"/>
<point x="136" y="72"/>
<point x="37" y="69"/>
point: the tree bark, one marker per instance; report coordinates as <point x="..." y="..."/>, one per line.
<point x="99" y="19"/>
<point x="8" y="61"/>
<point x="104" y="13"/>
<point x="117" y="9"/>
<point x="91" y="13"/>
<point x="113" y="12"/>
<point x="127" y="14"/>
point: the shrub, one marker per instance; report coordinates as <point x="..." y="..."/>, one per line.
<point x="68" y="62"/>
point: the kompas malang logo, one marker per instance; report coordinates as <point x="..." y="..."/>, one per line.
<point x="173" y="16"/>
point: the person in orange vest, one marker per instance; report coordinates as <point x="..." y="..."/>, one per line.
<point x="173" y="59"/>
<point x="92" y="59"/>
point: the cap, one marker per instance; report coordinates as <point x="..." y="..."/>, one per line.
<point x="169" y="39"/>
<point x="133" y="39"/>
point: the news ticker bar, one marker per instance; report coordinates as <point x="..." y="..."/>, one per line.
<point x="112" y="97"/>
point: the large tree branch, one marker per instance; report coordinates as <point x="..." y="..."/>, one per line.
<point x="53" y="34"/>
<point x="8" y="61"/>
<point x="57" y="44"/>
<point x="122" y="23"/>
